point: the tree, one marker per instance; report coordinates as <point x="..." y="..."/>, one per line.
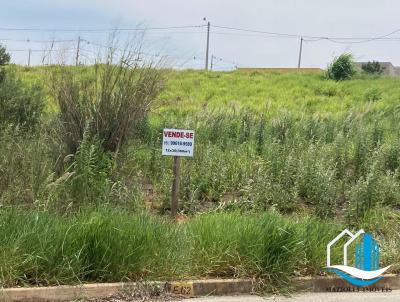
<point x="4" y="56"/>
<point x="372" y="68"/>
<point x="342" y="68"/>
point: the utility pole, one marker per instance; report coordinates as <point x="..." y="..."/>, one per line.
<point x="212" y="60"/>
<point x="29" y="57"/>
<point x="208" y="42"/>
<point x="77" y="51"/>
<point x="301" y="49"/>
<point x="29" y="53"/>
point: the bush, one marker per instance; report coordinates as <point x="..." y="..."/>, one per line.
<point x="373" y="94"/>
<point x="372" y="68"/>
<point x="4" y="56"/>
<point x="4" y="60"/>
<point x="21" y="104"/>
<point x="342" y="68"/>
<point x="111" y="99"/>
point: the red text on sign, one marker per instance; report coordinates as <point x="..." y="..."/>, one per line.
<point x="178" y="134"/>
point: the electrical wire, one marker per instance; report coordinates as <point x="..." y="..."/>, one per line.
<point x="41" y="50"/>
<point x="37" y="41"/>
<point x="226" y="61"/>
<point x="99" y="29"/>
<point x="362" y="40"/>
<point x="249" y="35"/>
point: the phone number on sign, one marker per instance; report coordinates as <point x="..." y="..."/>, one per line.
<point x="175" y="143"/>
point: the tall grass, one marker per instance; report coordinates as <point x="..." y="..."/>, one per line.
<point x="326" y="166"/>
<point x="323" y="165"/>
<point x="266" y="145"/>
<point x="107" y="244"/>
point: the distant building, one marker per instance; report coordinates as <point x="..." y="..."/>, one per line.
<point x="388" y="68"/>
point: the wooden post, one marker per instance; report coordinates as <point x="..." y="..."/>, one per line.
<point x="175" y="186"/>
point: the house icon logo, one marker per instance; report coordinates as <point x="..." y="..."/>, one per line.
<point x="366" y="270"/>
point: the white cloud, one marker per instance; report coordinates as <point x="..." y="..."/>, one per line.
<point x="311" y="17"/>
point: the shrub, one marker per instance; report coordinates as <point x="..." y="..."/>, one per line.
<point x="4" y="56"/>
<point x="372" y="68"/>
<point x="373" y="94"/>
<point x="4" y="60"/>
<point x="342" y="68"/>
<point x="329" y="89"/>
<point x="112" y="99"/>
<point x="21" y="104"/>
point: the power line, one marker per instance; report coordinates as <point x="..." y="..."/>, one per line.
<point x="363" y="39"/>
<point x="256" y="31"/>
<point x="41" y="50"/>
<point x="227" y="30"/>
<point x="99" y="29"/>
<point x="266" y="36"/>
<point x="119" y="49"/>
<point x="263" y="32"/>
<point x="235" y="64"/>
<point x="37" y="41"/>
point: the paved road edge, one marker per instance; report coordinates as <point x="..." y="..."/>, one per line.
<point x="187" y="288"/>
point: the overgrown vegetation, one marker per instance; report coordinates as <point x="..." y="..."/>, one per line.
<point x="109" y="101"/>
<point x="109" y="245"/>
<point x="21" y="103"/>
<point x="372" y="68"/>
<point x="4" y="56"/>
<point x="342" y="68"/>
<point x="277" y="158"/>
<point x="4" y="60"/>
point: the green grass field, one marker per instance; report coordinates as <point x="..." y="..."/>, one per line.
<point x="282" y="163"/>
<point x="111" y="245"/>
<point x="274" y="93"/>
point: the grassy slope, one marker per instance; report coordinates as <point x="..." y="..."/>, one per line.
<point x="261" y="91"/>
<point x="302" y="94"/>
<point x="315" y="141"/>
<point x="322" y="152"/>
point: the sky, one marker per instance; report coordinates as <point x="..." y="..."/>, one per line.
<point x="186" y="47"/>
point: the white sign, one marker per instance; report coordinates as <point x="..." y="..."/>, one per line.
<point x="178" y="142"/>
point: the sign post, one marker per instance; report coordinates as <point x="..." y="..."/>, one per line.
<point x="177" y="143"/>
<point x="175" y="185"/>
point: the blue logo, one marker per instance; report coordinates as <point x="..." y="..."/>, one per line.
<point x="367" y="251"/>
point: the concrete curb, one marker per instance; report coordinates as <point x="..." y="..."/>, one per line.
<point x="215" y="287"/>
<point x="68" y="293"/>
<point x="328" y="284"/>
<point x="190" y="288"/>
<point x="61" y="293"/>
